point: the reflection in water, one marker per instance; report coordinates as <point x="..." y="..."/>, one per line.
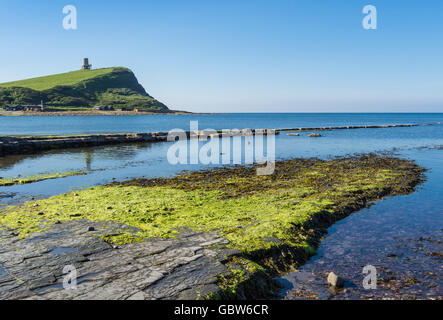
<point x="13" y="165"/>
<point x="8" y="162"/>
<point x="88" y="160"/>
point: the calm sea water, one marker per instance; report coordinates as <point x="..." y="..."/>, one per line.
<point x="51" y="125"/>
<point x="393" y="227"/>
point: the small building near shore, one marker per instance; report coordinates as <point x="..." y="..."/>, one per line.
<point x="103" y="108"/>
<point x="11" y="108"/>
<point x="14" y="108"/>
<point x="35" y="108"/>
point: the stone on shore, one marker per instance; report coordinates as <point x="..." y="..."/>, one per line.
<point x="335" y="281"/>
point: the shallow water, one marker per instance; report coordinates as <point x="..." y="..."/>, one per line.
<point x="62" y="250"/>
<point x="400" y="236"/>
<point x="121" y="162"/>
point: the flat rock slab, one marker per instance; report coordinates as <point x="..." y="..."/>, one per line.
<point x="184" y="267"/>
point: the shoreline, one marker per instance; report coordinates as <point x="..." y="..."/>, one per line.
<point x="34" y="144"/>
<point x="208" y="263"/>
<point x="93" y="113"/>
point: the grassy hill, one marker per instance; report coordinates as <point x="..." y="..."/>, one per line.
<point x="117" y="87"/>
<point x="62" y="79"/>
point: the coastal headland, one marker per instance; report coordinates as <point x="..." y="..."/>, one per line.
<point x="90" y="113"/>
<point x="79" y="92"/>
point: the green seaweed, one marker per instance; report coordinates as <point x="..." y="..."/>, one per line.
<point x="40" y="177"/>
<point x="252" y="212"/>
<point x="274" y="221"/>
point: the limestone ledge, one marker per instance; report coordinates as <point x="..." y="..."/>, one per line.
<point x="185" y="267"/>
<point x="32" y="144"/>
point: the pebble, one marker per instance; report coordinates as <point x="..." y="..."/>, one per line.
<point x="335" y="281"/>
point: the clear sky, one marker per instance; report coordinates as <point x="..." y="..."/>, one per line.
<point x="242" y="55"/>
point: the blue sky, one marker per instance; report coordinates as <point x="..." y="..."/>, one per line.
<point x="244" y="55"/>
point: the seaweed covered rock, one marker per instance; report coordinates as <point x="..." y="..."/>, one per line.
<point x="263" y="225"/>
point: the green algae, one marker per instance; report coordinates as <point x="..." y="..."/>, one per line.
<point x="37" y="178"/>
<point x="274" y="221"/>
<point x="241" y="270"/>
<point x="252" y="212"/>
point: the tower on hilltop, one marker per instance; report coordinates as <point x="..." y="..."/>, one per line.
<point x="86" y="65"/>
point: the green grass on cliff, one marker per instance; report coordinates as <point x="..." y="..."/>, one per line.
<point x="252" y="212"/>
<point x="62" y="79"/>
<point x="117" y="87"/>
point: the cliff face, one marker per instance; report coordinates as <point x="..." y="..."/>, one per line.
<point x="117" y="87"/>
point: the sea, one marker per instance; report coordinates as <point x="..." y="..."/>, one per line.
<point x="400" y="236"/>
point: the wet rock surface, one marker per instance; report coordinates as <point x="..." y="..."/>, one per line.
<point x="185" y="267"/>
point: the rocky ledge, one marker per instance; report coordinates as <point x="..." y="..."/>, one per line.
<point x="250" y="228"/>
<point x="185" y="267"/>
<point x="34" y="144"/>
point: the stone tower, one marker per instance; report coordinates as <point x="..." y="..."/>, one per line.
<point x="86" y="65"/>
